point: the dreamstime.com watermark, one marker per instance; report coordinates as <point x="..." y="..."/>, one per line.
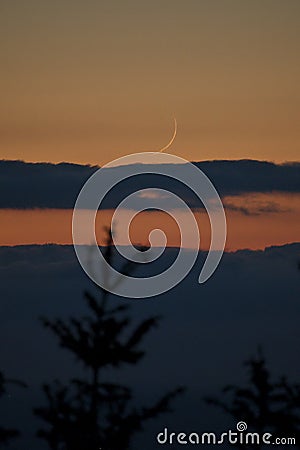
<point x="110" y="176"/>
<point x="238" y="437"/>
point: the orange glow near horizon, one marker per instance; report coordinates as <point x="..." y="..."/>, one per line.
<point x="265" y="223"/>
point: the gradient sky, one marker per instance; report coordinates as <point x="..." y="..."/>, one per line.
<point x="90" y="81"/>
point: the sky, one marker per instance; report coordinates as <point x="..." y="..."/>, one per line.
<point x="90" y="81"/>
<point x="255" y="231"/>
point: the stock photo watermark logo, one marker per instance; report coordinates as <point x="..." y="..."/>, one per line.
<point x="155" y="163"/>
<point x="239" y="437"/>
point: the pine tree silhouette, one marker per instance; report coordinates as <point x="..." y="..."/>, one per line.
<point x="92" y="413"/>
<point x="7" y="434"/>
<point x="265" y="406"/>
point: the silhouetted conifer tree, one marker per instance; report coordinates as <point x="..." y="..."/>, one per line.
<point x="264" y="405"/>
<point x="93" y="413"/>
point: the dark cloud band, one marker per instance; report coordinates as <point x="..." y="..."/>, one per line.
<point x="45" y="185"/>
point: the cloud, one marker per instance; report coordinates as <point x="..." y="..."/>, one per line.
<point x="257" y="208"/>
<point x="45" y="185"/>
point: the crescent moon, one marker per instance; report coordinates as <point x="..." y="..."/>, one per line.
<point x="172" y="139"/>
